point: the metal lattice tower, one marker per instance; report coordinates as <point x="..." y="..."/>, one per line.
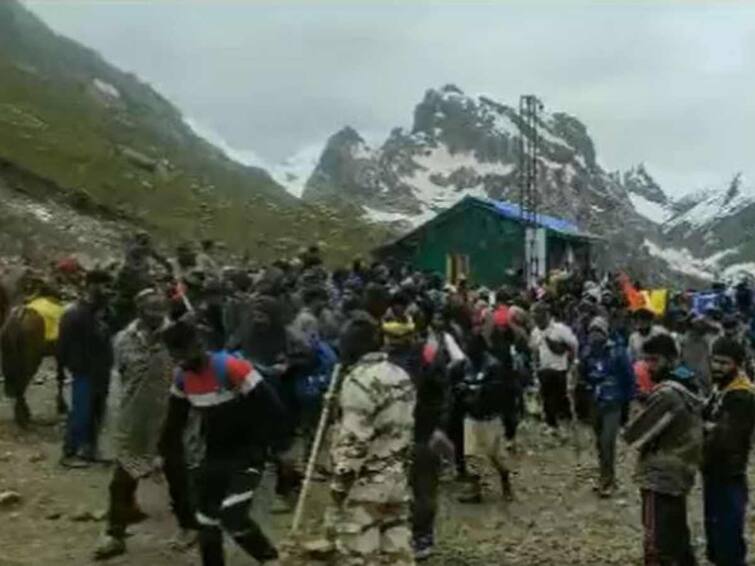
<point x="529" y="141"/>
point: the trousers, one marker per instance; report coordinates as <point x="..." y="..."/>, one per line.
<point x="224" y="497"/>
<point x="553" y="389"/>
<point x="456" y="434"/>
<point x="123" y="488"/>
<point x="425" y="477"/>
<point x="667" y="536"/>
<point x="371" y="534"/>
<point x="606" y="424"/>
<point x="85" y="417"/>
<point x="725" y="503"/>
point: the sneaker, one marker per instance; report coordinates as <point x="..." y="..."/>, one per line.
<point x="109" y="547"/>
<point x="423" y="548"/>
<point x="74" y="462"/>
<point x="424" y="553"/>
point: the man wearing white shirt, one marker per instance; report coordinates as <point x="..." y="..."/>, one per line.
<point x="554" y="346"/>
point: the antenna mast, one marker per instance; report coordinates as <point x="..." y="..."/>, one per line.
<point x="529" y="143"/>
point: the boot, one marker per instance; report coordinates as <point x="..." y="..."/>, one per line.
<point x="606" y="487"/>
<point x="471" y="492"/>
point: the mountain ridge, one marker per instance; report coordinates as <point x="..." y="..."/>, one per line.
<point x="462" y="145"/>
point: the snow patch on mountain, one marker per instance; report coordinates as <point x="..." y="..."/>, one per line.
<point x="715" y="207"/>
<point x="651" y="210"/>
<point x="106" y="88"/>
<point x="710" y="268"/>
<point x="292" y="173"/>
<point x="382" y="216"/>
<point x="681" y="261"/>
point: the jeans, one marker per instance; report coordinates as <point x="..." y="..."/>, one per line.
<point x="86" y="415"/>
<point x="725" y="510"/>
<point x="606" y="423"/>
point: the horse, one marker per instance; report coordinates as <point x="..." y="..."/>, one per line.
<point x="24" y="343"/>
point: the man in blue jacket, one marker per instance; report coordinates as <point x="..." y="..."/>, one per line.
<point x="608" y="376"/>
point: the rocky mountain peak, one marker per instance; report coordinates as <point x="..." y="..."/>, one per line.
<point x="735" y="187"/>
<point x="638" y="181"/>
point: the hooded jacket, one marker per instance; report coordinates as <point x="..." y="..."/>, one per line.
<point x="608" y="374"/>
<point x="729" y="422"/>
<point x="669" y="436"/>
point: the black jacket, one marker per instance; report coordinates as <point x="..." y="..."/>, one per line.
<point x="433" y="386"/>
<point x="84" y="343"/>
<point x="729" y="421"/>
<point x="483" y="389"/>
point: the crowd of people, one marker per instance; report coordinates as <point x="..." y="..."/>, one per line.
<point x="223" y="370"/>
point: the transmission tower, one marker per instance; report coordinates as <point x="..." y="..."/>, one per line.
<point x="529" y="142"/>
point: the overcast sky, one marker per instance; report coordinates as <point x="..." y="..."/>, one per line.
<point x="670" y="84"/>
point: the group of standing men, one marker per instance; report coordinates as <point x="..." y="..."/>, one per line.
<point x="221" y="369"/>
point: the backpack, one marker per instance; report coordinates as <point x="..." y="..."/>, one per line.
<point x="309" y="389"/>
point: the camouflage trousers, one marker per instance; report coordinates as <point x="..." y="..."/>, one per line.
<point x="371" y="534"/>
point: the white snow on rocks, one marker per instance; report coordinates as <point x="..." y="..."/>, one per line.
<point x="293" y="172"/>
<point x="715" y="207"/>
<point x="681" y="261"/>
<point x="709" y="269"/>
<point x="651" y="210"/>
<point x="382" y="216"/>
<point x="106" y="88"/>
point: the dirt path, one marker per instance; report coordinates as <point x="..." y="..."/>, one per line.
<point x="556" y="520"/>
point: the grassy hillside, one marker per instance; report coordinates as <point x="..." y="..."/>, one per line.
<point x="111" y="144"/>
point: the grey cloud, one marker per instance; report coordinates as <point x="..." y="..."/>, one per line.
<point x="666" y="83"/>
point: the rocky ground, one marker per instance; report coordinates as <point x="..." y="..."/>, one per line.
<point x="556" y="519"/>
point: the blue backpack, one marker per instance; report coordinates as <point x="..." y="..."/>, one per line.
<point x="310" y="389"/>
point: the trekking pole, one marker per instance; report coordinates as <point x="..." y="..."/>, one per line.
<point x="319" y="435"/>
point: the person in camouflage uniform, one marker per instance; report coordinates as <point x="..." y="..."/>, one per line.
<point x="369" y="522"/>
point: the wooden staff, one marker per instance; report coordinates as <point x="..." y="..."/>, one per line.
<point x="321" y="428"/>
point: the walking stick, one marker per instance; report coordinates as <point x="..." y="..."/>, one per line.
<point x="320" y="434"/>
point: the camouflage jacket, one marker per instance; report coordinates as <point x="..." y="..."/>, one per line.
<point x="372" y="442"/>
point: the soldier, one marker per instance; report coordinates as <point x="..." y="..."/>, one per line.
<point x="370" y="453"/>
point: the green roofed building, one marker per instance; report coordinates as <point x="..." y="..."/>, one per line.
<point x="489" y="243"/>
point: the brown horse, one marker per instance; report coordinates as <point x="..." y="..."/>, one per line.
<point x="23" y="347"/>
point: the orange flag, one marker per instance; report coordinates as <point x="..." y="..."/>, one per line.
<point x="634" y="297"/>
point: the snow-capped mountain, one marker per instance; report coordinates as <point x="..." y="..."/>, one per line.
<point x="646" y="195"/>
<point x="716" y="234"/>
<point x="462" y="145"/>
